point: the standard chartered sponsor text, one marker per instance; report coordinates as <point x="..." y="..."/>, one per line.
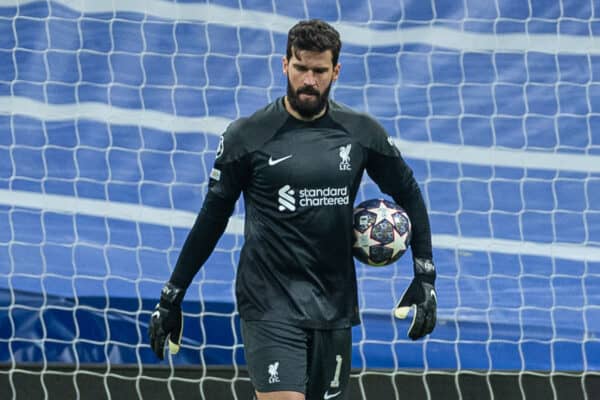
<point x="327" y="196"/>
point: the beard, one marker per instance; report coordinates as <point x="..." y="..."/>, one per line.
<point x="310" y="107"/>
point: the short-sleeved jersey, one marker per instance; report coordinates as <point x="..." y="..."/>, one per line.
<point x="299" y="181"/>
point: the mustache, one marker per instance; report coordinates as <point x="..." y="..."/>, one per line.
<point x="307" y="90"/>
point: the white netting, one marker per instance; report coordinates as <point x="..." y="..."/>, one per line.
<point x="109" y="119"/>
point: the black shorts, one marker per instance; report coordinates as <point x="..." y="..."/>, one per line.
<point x="311" y="361"/>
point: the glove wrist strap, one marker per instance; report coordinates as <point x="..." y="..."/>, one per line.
<point x="424" y="269"/>
<point x="171" y="294"/>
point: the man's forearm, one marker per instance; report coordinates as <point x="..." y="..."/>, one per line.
<point x="202" y="239"/>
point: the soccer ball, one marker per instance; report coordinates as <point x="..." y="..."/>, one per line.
<point x="382" y="232"/>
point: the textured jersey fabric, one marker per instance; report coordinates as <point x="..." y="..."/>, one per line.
<point x="299" y="181"/>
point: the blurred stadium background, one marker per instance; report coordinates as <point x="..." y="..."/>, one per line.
<point x="110" y="113"/>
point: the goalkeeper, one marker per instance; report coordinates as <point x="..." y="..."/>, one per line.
<point x="298" y="163"/>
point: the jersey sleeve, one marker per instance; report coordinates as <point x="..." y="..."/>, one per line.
<point x="229" y="174"/>
<point x="227" y="179"/>
<point x="395" y="178"/>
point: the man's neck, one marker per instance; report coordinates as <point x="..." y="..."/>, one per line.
<point x="296" y="115"/>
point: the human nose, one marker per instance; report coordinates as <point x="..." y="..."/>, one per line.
<point x="309" y="79"/>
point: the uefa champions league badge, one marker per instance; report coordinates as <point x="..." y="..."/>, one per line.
<point x="220" y="147"/>
<point x="391" y="141"/>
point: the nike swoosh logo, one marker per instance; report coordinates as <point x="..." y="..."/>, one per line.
<point x="278" y="160"/>
<point x="327" y="396"/>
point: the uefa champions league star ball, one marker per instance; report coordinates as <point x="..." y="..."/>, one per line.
<point x="382" y="232"/>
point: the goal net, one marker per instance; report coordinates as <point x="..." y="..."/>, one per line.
<point x="110" y="116"/>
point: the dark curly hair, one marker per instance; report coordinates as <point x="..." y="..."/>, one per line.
<point x="314" y="35"/>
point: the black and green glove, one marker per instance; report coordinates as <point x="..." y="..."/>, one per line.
<point x="420" y="296"/>
<point x="167" y="321"/>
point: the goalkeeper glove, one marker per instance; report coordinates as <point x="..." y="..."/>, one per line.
<point x="167" y="321"/>
<point x="420" y="296"/>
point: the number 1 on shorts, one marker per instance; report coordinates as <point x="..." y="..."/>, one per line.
<point x="338" y="368"/>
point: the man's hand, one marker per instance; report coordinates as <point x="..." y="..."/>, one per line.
<point x="167" y="321"/>
<point x="421" y="296"/>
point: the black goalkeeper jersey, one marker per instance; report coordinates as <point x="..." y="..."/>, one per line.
<point x="299" y="180"/>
